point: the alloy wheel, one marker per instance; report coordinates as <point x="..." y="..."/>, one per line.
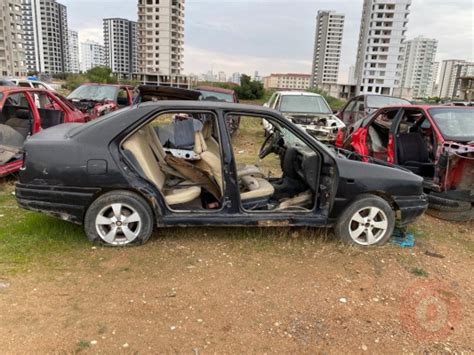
<point x="118" y="224"/>
<point x="368" y="226"/>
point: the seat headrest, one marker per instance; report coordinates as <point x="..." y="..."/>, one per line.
<point x="23" y="114"/>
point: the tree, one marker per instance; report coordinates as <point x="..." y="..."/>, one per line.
<point x="249" y="89"/>
<point x="101" y="75"/>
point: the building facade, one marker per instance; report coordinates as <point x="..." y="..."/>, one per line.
<point x="92" y="55"/>
<point x="447" y="77"/>
<point x="420" y="53"/>
<point x="161" y="37"/>
<point x="46" y="36"/>
<point x="381" y="45"/>
<point x="464" y="80"/>
<point x="120" y="42"/>
<point x="12" y="52"/>
<point x="327" y="47"/>
<point x="73" y="52"/>
<point x="433" y="86"/>
<point x="288" y="81"/>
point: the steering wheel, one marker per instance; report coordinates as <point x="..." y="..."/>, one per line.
<point x="270" y="143"/>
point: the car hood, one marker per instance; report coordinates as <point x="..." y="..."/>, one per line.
<point x="322" y="119"/>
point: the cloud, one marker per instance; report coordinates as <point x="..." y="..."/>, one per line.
<point x="198" y="60"/>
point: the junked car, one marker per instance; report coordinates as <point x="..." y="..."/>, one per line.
<point x="309" y="111"/>
<point x="435" y="142"/>
<point x="25" y="112"/>
<point x="361" y="106"/>
<point x="32" y="83"/>
<point x="113" y="176"/>
<point x="96" y="100"/>
<point x="212" y="93"/>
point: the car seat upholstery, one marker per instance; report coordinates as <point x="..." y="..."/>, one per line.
<point x="209" y="162"/>
<point x="213" y="146"/>
<point x="413" y="154"/>
<point x="257" y="188"/>
<point x="21" y="122"/>
<point x="138" y="145"/>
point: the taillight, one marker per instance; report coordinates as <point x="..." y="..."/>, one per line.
<point x="340" y="138"/>
<point x="391" y="150"/>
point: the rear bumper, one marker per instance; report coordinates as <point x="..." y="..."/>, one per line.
<point x="411" y="207"/>
<point x="69" y="203"/>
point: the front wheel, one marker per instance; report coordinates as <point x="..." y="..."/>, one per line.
<point x="369" y="220"/>
<point x="119" y="218"/>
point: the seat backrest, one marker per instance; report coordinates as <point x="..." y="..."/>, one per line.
<point x="411" y="147"/>
<point x="209" y="161"/>
<point x="139" y="147"/>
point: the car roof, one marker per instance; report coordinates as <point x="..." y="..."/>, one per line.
<point x="424" y="107"/>
<point x="297" y="93"/>
<point x="10" y="89"/>
<point x="215" y="89"/>
<point x="173" y="104"/>
<point x="114" y="85"/>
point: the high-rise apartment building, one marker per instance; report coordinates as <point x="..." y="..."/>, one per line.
<point x="161" y="36"/>
<point x="433" y="86"/>
<point x="420" y="53"/>
<point x="121" y="46"/>
<point x="327" y="47"/>
<point x="447" y="77"/>
<point x="12" y="55"/>
<point x="73" y="52"/>
<point x="46" y="36"/>
<point x="92" y="55"/>
<point x="381" y="45"/>
<point x="288" y="81"/>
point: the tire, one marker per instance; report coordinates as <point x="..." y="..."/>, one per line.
<point x="447" y="202"/>
<point x="462" y="207"/>
<point x="368" y="221"/>
<point x="463" y="216"/>
<point x="119" y="218"/>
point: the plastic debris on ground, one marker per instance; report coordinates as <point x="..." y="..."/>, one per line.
<point x="403" y="238"/>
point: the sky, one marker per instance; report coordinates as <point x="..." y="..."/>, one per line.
<point x="278" y="36"/>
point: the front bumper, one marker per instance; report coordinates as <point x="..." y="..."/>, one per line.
<point x="68" y="203"/>
<point x="410" y="207"/>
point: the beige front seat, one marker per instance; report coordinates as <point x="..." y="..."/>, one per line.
<point x="213" y="146"/>
<point x="139" y="145"/>
<point x="257" y="188"/>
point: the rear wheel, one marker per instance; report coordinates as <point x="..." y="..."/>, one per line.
<point x="119" y="218"/>
<point x="369" y="220"/>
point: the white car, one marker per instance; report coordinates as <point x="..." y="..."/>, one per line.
<point x="32" y="84"/>
<point x="307" y="110"/>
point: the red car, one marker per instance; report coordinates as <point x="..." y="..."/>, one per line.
<point x="24" y="112"/>
<point x="96" y="100"/>
<point x="211" y="93"/>
<point x="435" y="142"/>
<point x="361" y="106"/>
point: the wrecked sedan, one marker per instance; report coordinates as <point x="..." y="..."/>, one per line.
<point x="118" y="178"/>
<point x="309" y="111"/>
<point x="96" y="100"/>
<point x="434" y="142"/>
<point x="25" y="112"/>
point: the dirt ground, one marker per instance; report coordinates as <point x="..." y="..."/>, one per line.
<point x="221" y="290"/>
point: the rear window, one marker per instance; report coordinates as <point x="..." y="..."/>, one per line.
<point x="455" y="123"/>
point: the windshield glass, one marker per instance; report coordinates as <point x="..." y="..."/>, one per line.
<point x="216" y="96"/>
<point x="94" y="92"/>
<point x="455" y="123"/>
<point x="375" y="101"/>
<point x="304" y="104"/>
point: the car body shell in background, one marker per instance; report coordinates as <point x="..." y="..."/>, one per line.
<point x="94" y="107"/>
<point x="71" y="115"/>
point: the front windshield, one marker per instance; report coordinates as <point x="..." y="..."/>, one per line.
<point x="455" y="123"/>
<point x="304" y="104"/>
<point x="375" y="101"/>
<point x="216" y="96"/>
<point x="94" y="92"/>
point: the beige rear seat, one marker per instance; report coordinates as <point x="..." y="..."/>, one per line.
<point x="139" y="146"/>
